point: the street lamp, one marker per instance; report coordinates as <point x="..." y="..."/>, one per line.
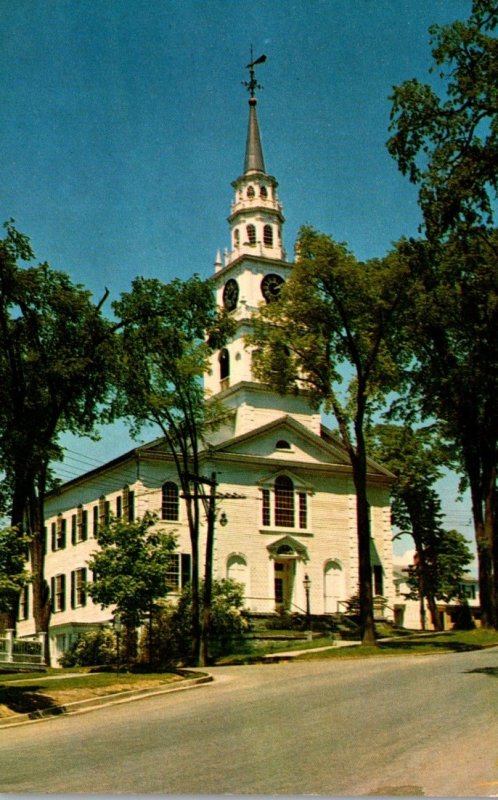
<point x="307" y="585"/>
<point x="118" y="627"/>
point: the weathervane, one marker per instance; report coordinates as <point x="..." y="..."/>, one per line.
<point x="252" y="84"/>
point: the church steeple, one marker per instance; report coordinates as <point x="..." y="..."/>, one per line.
<point x="252" y="272"/>
<point x="254" y="161"/>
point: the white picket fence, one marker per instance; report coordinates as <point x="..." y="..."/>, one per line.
<point x="22" y="652"/>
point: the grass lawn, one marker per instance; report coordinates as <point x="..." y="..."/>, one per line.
<point x="28" y="693"/>
<point x="421" y="644"/>
<point x="404" y="643"/>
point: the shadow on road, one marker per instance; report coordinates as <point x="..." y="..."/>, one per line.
<point x="493" y="671"/>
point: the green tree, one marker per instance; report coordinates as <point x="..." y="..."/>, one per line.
<point x="130" y="569"/>
<point x="13" y="573"/>
<point x="335" y="318"/>
<point x="169" y="332"/>
<point x="448" y="146"/>
<point x="55" y="352"/>
<point x="416" y="457"/>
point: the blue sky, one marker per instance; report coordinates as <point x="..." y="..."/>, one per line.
<point x="124" y="122"/>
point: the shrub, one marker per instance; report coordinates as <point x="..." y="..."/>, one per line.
<point x="93" y="648"/>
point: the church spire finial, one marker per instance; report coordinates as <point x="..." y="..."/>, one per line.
<point x="254" y="152"/>
<point x="252" y="84"/>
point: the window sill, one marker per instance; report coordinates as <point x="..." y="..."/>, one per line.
<point x="273" y="529"/>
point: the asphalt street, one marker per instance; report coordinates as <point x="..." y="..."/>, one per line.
<point x="390" y="726"/>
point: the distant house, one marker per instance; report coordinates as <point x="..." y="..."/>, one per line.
<point x="407" y="613"/>
<point x="289" y="517"/>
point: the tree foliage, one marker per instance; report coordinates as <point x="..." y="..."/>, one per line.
<point x="448" y="145"/>
<point x="416" y="457"/>
<point x="54" y="359"/>
<point x="130" y="567"/>
<point x="13" y="573"/>
<point x="169" y="332"/>
<point x="336" y="318"/>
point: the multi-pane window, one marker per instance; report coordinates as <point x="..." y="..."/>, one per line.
<point x="284" y="502"/>
<point x="128" y="504"/>
<point x="58" y="531"/>
<point x="24" y="603"/>
<point x="251" y="234"/>
<point x="178" y="571"/>
<point x="284" y="505"/>
<point x="78" y="588"/>
<point x="169" y="503"/>
<point x="104" y="511"/>
<point x="58" y="586"/>
<point x="81" y="524"/>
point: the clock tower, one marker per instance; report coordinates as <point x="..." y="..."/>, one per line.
<point x="251" y="272"/>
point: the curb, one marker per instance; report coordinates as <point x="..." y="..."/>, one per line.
<point x="94" y="703"/>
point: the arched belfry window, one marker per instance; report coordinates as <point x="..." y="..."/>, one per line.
<point x="250" y="192"/>
<point x="224" y="359"/>
<point x="169" y="501"/>
<point x="263" y="192"/>
<point x="251" y="234"/>
<point x="268" y="235"/>
<point x="236" y="237"/>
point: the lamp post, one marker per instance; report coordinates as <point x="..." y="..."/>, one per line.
<point x="307" y="585"/>
<point x="118" y="627"/>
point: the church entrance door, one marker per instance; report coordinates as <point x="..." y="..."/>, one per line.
<point x="284" y="583"/>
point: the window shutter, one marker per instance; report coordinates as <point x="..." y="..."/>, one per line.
<point x="73" y="589"/>
<point x="74" y="537"/>
<point x="83" y="586"/>
<point x="84" y="525"/>
<point x="53" y="529"/>
<point x="185" y="569"/>
<point x="52" y="593"/>
<point x="131" y="501"/>
<point x="63" y="593"/>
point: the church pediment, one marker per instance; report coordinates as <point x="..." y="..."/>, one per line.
<point x="288" y="548"/>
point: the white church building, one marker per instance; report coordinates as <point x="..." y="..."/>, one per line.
<point x="291" y="521"/>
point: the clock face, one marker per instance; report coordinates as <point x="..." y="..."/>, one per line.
<point x="230" y="294"/>
<point x="270" y="287"/>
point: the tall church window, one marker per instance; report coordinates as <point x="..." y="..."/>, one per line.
<point x="169" y="504"/>
<point x="285" y="506"/>
<point x="284" y="502"/>
<point x="251" y="234"/>
<point x="250" y="192"/>
<point x="268" y="235"/>
<point x="224" y="360"/>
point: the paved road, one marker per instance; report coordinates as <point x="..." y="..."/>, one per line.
<point x="384" y="726"/>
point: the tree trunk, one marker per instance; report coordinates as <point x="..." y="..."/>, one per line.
<point x="484" y="533"/>
<point x="208" y="574"/>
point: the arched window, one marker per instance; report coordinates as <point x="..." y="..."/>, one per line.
<point x="236" y="237"/>
<point x="283" y="444"/>
<point x="268" y="235"/>
<point x="169" y="504"/>
<point x="224" y="359"/>
<point x="251" y="234"/>
<point x="284" y="502"/>
<point x="250" y="192"/>
<point x="237" y="569"/>
<point x="263" y="192"/>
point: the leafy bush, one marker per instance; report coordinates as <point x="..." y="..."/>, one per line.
<point x="168" y="639"/>
<point x="93" y="648"/>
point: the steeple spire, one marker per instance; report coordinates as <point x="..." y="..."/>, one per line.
<point x="254" y="161"/>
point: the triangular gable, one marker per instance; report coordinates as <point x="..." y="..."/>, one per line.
<point x="285" y="427"/>
<point x="292" y="549"/>
<point x="299" y="484"/>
